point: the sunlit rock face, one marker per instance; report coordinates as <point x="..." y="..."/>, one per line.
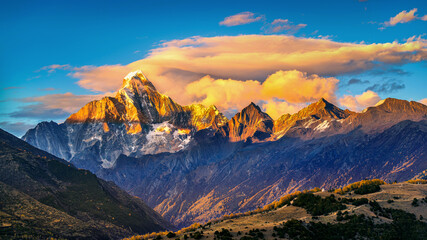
<point x="128" y="124"/>
<point x="251" y="122"/>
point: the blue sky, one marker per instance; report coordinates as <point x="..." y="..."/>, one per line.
<point x="37" y="34"/>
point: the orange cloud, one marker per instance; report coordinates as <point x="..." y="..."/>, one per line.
<point x="296" y="87"/>
<point x="224" y="93"/>
<point x="240" y="19"/>
<point x="200" y="69"/>
<point x="291" y="86"/>
<point x="423" y="101"/>
<point x="276" y="108"/>
<point x="404" y="17"/>
<point x="177" y="63"/>
<point x="360" y="102"/>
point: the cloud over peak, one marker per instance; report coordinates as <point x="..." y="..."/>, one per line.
<point x="360" y="102"/>
<point x="240" y="19"/>
<point x="231" y="71"/>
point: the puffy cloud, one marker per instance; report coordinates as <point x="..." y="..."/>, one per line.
<point x="225" y="93"/>
<point x="280" y="25"/>
<point x="294" y="87"/>
<point x="177" y="63"/>
<point x="423" y="101"/>
<point x="404" y="17"/>
<point x="276" y="108"/>
<point x="179" y="68"/>
<point x="240" y="19"/>
<point x="100" y="79"/>
<point x="360" y="102"/>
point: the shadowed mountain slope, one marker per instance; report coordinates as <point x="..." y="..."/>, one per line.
<point x="43" y="196"/>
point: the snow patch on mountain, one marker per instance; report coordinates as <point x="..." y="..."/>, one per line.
<point x="165" y="137"/>
<point x="322" y="126"/>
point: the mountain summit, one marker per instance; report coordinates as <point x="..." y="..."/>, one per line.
<point x="250" y="122"/>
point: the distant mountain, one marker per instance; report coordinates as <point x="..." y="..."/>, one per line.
<point x="42" y="196"/>
<point x="192" y="164"/>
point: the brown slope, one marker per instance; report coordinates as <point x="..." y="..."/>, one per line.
<point x="250" y="122"/>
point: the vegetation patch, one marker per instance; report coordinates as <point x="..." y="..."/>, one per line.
<point x="316" y="205"/>
<point x="418" y="181"/>
<point x="224" y="234"/>
<point x="362" y="187"/>
<point x="404" y="226"/>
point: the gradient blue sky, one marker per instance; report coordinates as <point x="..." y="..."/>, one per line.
<point x="36" y="34"/>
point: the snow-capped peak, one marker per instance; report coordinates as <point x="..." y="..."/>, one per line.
<point x="136" y="82"/>
<point x="137" y="73"/>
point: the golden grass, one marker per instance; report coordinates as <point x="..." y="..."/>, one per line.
<point x="418" y="181"/>
<point x="359" y="184"/>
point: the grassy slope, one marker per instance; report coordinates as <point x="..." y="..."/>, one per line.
<point x="402" y="195"/>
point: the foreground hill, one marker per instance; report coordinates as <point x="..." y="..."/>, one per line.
<point x="393" y="211"/>
<point x="42" y="196"/>
<point x="192" y="164"/>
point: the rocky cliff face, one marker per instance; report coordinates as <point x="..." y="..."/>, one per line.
<point x="251" y="122"/>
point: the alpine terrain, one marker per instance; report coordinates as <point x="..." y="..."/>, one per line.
<point x="192" y="164"/>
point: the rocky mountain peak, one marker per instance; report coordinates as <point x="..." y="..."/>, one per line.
<point x="323" y="109"/>
<point x="250" y="122"/>
<point x="253" y="110"/>
<point x="135" y="83"/>
<point x="397" y="105"/>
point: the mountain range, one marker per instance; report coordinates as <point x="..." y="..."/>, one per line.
<point x="190" y="163"/>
